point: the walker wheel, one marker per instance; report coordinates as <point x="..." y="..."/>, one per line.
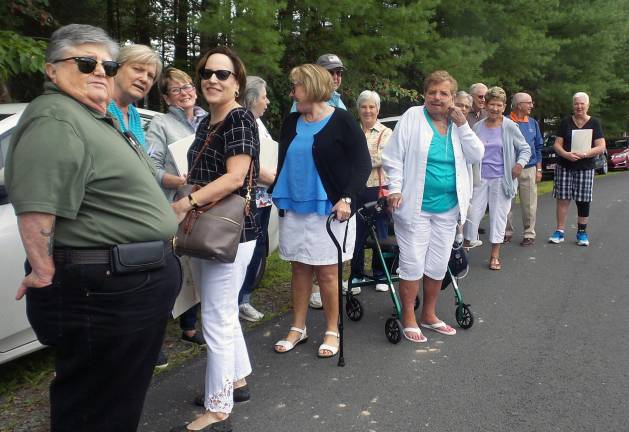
<point x="417" y="303"/>
<point x="354" y="309"/>
<point x="392" y="330"/>
<point x="464" y="316"/>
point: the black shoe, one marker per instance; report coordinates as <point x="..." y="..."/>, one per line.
<point x="481" y="230"/>
<point x="241" y="394"/>
<point x="196" y="338"/>
<point x="221" y="426"/>
<point x="162" y="360"/>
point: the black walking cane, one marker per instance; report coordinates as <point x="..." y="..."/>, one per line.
<point x="340" y="283"/>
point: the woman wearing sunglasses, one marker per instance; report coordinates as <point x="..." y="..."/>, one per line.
<point x="226" y="146"/>
<point x="140" y="66"/>
<point x="79" y="190"/>
<point x="323" y="166"/>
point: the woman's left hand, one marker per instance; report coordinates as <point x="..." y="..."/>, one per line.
<point x="181" y="208"/>
<point x="342" y="210"/>
<point x="517" y="169"/>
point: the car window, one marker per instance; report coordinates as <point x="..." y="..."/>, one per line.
<point x="4" y="147"/>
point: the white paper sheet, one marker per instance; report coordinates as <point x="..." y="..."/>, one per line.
<point x="179" y="152"/>
<point x="581" y="140"/>
<point x="189" y="294"/>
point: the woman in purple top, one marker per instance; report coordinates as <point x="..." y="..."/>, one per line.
<point x="506" y="153"/>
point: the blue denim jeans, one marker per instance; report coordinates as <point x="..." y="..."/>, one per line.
<point x="262" y="220"/>
<point x="107" y="331"/>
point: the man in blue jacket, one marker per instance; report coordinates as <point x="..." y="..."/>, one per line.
<point x="522" y="105"/>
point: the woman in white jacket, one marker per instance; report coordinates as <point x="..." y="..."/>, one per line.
<point x="428" y="162"/>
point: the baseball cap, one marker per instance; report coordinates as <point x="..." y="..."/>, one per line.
<point x="330" y="61"/>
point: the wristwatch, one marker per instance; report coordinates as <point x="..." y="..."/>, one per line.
<point x="539" y="170"/>
<point x="347" y="200"/>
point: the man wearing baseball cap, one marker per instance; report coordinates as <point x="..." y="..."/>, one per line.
<point x="334" y="65"/>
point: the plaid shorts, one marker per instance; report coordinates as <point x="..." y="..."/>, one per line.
<point x="573" y="184"/>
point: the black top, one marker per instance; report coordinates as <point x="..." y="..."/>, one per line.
<point x="237" y="134"/>
<point x="566" y="127"/>
<point x="340" y="154"/>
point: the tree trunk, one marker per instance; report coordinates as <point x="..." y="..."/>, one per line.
<point x="181" y="8"/>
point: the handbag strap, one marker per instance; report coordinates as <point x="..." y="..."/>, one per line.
<point x="210" y="134"/>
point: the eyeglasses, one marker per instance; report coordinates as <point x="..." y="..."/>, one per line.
<point x="293" y="85"/>
<point x="482" y="97"/>
<point x="222" y="75"/>
<point x="87" y="65"/>
<point x="184" y="88"/>
<point x="338" y="72"/>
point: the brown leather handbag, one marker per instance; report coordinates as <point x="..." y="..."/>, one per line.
<point x="213" y="231"/>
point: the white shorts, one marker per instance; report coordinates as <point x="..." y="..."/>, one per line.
<point x="304" y="238"/>
<point x="425" y="246"/>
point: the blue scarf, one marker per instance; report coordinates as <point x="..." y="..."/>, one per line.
<point x="135" y="123"/>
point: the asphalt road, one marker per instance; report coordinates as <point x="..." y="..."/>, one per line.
<point x="548" y="352"/>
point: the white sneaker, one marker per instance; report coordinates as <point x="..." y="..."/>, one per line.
<point x="249" y="313"/>
<point x="381" y="287"/>
<point x="474" y="243"/>
<point x="355" y="290"/>
<point x="315" y="301"/>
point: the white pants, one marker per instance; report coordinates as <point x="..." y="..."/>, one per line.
<point x="488" y="191"/>
<point x="425" y="247"/>
<point x="227" y="357"/>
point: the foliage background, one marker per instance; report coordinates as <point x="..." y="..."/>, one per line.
<point x="549" y="48"/>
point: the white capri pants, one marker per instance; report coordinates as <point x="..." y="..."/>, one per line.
<point x="488" y="191"/>
<point x="425" y="247"/>
<point x="227" y="357"/>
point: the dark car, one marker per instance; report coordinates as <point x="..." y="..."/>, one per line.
<point x="549" y="159"/>
<point x="618" y="150"/>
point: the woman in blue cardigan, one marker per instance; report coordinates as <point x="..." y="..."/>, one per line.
<point x="323" y="166"/>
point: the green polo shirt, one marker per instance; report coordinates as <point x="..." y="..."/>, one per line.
<point x="70" y="161"/>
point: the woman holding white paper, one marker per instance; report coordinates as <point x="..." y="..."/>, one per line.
<point x="574" y="172"/>
<point x="182" y="120"/>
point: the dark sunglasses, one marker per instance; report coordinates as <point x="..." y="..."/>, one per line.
<point x="222" y="75"/>
<point x="184" y="88"/>
<point x="87" y="65"/>
<point x="338" y="72"/>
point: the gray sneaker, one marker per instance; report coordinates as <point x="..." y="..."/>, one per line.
<point x="249" y="313"/>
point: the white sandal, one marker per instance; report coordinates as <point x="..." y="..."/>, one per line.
<point x="288" y="345"/>
<point x="325" y="347"/>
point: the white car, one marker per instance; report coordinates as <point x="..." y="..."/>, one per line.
<point x="16" y="336"/>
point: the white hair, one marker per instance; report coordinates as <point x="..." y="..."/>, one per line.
<point x="464" y="94"/>
<point x="368" y="95"/>
<point x="254" y="88"/>
<point x="74" y="35"/>
<point x="583" y="95"/>
<point x="473" y="87"/>
<point x="517" y="98"/>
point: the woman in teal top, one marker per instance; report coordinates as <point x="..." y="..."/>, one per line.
<point x="426" y="162"/>
<point x="140" y="67"/>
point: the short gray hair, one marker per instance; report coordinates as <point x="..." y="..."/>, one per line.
<point x="253" y="90"/>
<point x="517" y="98"/>
<point x="140" y="54"/>
<point x="583" y="95"/>
<point x="74" y="35"/>
<point x="463" y="93"/>
<point x="473" y="87"/>
<point x="368" y="95"/>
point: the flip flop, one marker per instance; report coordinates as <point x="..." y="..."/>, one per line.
<point x="415" y="330"/>
<point x="288" y="345"/>
<point x="494" y="263"/>
<point x="440" y="328"/>
<point x="325" y="347"/>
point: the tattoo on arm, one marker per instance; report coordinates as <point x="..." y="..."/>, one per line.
<point x="50" y="234"/>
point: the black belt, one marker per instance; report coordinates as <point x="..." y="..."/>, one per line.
<point x="92" y="256"/>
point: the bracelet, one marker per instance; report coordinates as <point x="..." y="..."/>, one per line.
<point x="193" y="202"/>
<point x="539" y="170"/>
